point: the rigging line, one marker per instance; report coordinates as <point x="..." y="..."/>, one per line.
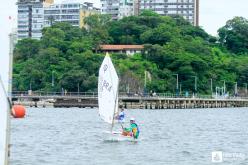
<point x="5" y="93"/>
<point x="109" y="60"/>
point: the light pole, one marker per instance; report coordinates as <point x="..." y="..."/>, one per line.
<point x="53" y="82"/>
<point x="30" y="85"/>
<point x="145" y="84"/>
<point x="180" y="89"/>
<point x="177" y="87"/>
<point x="12" y="42"/>
<point x="236" y="88"/>
<point x="128" y="90"/>
<point x="224" y="86"/>
<point x="195" y="83"/>
<point x="78" y="89"/>
<point x="211" y="85"/>
<point x="245" y="88"/>
<point x="216" y="92"/>
<point x="52" y="78"/>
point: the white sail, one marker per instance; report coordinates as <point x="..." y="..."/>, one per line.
<point x="4" y="124"/>
<point x="107" y="90"/>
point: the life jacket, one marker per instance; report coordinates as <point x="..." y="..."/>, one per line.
<point x="121" y="116"/>
<point x="135" y="131"/>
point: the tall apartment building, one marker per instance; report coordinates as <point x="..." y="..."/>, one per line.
<point x="33" y="15"/>
<point x="71" y="12"/>
<point x="119" y="8"/>
<point x="189" y="9"/>
<point x="30" y="18"/>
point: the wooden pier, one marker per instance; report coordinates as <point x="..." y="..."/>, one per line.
<point x="129" y="102"/>
<point x="182" y="103"/>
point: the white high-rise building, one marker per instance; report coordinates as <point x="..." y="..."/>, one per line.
<point x="33" y="15"/>
<point x="30" y="18"/>
<point x="189" y="9"/>
<point x="118" y="8"/>
<point x="71" y="12"/>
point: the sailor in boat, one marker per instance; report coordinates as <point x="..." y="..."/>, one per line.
<point x="133" y="130"/>
<point x="121" y="116"/>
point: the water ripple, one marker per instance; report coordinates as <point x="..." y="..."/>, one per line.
<point x="172" y="137"/>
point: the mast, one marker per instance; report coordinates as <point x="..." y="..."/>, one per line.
<point x="116" y="107"/>
<point x="12" y="40"/>
<point x="6" y="129"/>
<point x="115" y="93"/>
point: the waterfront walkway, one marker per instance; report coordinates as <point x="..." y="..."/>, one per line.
<point x="130" y="101"/>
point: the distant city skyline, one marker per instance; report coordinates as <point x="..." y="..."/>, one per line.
<point x="189" y="10"/>
<point x="214" y="13"/>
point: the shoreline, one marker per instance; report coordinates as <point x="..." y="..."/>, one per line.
<point x="138" y="103"/>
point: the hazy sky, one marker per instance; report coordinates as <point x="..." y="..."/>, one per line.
<point x="213" y="15"/>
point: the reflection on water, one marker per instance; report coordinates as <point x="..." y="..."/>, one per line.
<point x="172" y="137"/>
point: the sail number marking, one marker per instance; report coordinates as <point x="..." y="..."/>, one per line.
<point x="105" y="68"/>
<point x="106" y="85"/>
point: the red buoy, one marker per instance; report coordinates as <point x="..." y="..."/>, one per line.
<point x="18" y="111"/>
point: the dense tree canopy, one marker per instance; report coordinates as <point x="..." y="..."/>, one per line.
<point x="234" y="35"/>
<point x="68" y="56"/>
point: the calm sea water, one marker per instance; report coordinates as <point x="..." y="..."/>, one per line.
<point x="168" y="137"/>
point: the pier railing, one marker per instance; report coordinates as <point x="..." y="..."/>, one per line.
<point x="121" y="94"/>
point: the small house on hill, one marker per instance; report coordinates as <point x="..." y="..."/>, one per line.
<point x="127" y="49"/>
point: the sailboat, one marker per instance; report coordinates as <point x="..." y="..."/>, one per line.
<point x="4" y="125"/>
<point x="108" y="83"/>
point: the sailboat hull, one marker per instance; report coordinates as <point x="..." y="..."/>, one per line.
<point x="117" y="137"/>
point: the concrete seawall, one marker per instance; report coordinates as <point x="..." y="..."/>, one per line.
<point x="131" y="102"/>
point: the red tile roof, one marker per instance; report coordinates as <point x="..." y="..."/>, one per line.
<point x="121" y="47"/>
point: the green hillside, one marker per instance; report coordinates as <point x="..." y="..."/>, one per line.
<point x="172" y="46"/>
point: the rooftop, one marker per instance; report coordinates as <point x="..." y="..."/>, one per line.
<point x="121" y="47"/>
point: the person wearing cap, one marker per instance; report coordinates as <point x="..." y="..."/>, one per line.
<point x="133" y="130"/>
